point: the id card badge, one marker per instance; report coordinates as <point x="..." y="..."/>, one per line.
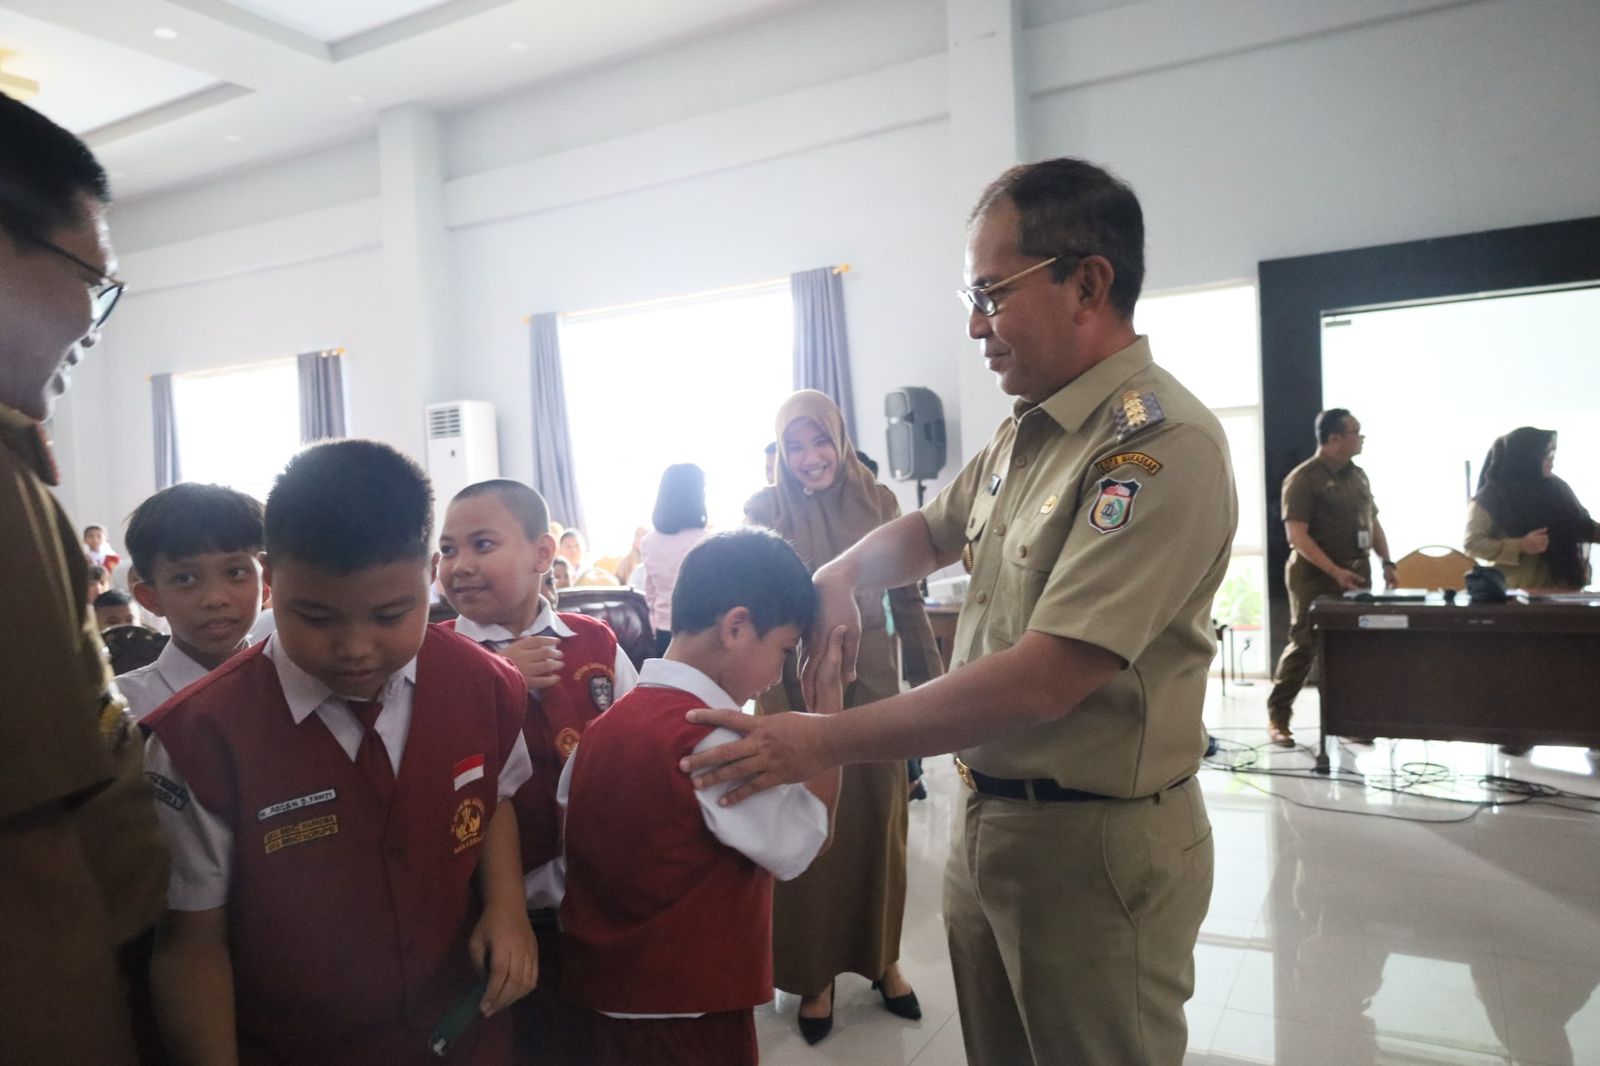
<point x="1364" y="539"/>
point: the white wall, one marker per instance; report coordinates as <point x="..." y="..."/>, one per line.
<point x="1251" y="129"/>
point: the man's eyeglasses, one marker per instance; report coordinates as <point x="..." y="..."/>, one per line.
<point x="980" y="298"/>
<point x="103" y="296"/>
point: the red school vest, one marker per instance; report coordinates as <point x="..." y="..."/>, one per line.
<point x="348" y="924"/>
<point x="660" y="917"/>
<point x="556" y="718"/>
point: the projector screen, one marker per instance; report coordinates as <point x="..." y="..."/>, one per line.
<point x="1433" y="385"/>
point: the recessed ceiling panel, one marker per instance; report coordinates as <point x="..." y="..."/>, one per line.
<point x="85" y="82"/>
<point x="334" y="21"/>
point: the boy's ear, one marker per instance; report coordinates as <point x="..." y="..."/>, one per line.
<point x="266" y="577"/>
<point x="433" y="570"/>
<point x="734" y="626"/>
<point x="544" y="553"/>
<point x="148" y="598"/>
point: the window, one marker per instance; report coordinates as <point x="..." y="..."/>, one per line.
<point x="692" y="380"/>
<point x="238" y="427"/>
<point x="1208" y="339"/>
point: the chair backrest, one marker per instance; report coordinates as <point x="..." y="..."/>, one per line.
<point x="1433" y="566"/>
<point x="623" y="609"/>
<point x="132" y="647"/>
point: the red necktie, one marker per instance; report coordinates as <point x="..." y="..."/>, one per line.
<point x="371" y="757"/>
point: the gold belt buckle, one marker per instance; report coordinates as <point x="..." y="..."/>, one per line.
<point x="965" y="773"/>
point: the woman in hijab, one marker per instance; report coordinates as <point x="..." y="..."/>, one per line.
<point x="1525" y="520"/>
<point x="843" y="915"/>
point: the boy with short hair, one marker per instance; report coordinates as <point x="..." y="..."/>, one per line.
<point x="668" y="908"/>
<point x="327" y="876"/>
<point x="113" y="607"/>
<point x="494" y="552"/>
<point x="99" y="552"/>
<point x="194" y="548"/>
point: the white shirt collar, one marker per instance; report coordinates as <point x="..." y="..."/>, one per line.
<point x="669" y="673"/>
<point x="305" y="693"/>
<point x="177" y="668"/>
<point x="547" y="618"/>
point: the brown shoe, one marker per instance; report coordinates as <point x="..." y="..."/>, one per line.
<point x="1278" y="732"/>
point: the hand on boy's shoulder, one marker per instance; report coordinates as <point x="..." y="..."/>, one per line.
<point x="538" y="659"/>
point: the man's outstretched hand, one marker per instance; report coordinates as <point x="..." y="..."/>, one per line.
<point x="778" y="749"/>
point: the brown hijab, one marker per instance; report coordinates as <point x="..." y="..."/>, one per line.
<point x="822" y="525"/>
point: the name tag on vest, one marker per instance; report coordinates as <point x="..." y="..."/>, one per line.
<point x="295" y="804"/>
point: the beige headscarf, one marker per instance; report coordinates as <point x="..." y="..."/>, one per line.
<point x="822" y="525"/>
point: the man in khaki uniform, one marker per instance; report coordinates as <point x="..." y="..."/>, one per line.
<point x="1332" y="525"/>
<point x="1097" y="526"/>
<point x="82" y="870"/>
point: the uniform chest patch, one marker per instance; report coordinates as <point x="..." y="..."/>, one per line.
<point x="600" y="692"/>
<point x="467" y="825"/>
<point x="272" y="811"/>
<point x="566" y="742"/>
<point x="1113" y="508"/>
<point x="167" y="790"/>
<point x="467" y="771"/>
<point x="300" y="832"/>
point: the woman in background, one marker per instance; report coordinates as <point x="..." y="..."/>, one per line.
<point x="843" y="915"/>
<point x="1527" y="522"/>
<point x="680" y="523"/>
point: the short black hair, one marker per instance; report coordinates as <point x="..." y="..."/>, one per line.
<point x="523" y="501"/>
<point x="1071" y="205"/>
<point x="751" y="568"/>
<point x="348" y="505"/>
<point x="681" y="499"/>
<point x="44" y="173"/>
<point x="112" y="598"/>
<point x="1330" y="422"/>
<point x="189" y="519"/>
<point x="98" y="573"/>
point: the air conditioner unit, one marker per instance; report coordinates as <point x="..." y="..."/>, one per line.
<point x="463" y="448"/>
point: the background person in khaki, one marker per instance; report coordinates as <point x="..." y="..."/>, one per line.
<point x="1097" y="525"/>
<point x="1332" y="525"/>
<point x="82" y="869"/>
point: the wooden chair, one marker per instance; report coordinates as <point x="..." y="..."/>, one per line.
<point x="1433" y="566"/>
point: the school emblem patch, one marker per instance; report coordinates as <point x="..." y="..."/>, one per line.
<point x="1114" y="506"/>
<point x="600" y="691"/>
<point x="566" y="741"/>
<point x="467" y="825"/>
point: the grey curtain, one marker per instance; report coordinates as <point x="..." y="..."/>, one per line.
<point x="168" y="471"/>
<point x="821" y="352"/>
<point x="321" y="396"/>
<point x="552" y="440"/>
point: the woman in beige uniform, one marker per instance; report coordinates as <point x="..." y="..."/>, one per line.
<point x="843" y="915"/>
<point x="1526" y="521"/>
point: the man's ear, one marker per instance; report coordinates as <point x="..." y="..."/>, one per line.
<point x="544" y="553"/>
<point x="1095" y="276"/>
<point x="148" y="598"/>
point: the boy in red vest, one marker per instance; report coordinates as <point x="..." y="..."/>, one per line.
<point x="668" y="908"/>
<point x="494" y="551"/>
<point x="345" y="864"/>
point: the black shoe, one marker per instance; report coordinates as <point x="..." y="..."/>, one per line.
<point x="905" y="1006"/>
<point x="918" y="791"/>
<point x="816" y="1029"/>
<point x="1515" y="749"/>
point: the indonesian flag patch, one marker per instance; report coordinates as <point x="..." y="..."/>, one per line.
<point x="468" y="770"/>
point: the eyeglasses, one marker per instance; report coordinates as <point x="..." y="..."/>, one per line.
<point x="980" y="298"/>
<point x="103" y="296"/>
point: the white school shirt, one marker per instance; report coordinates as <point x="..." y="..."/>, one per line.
<point x="151" y="685"/>
<point x="202" y="843"/>
<point x="544" y="885"/>
<point x="781" y="830"/>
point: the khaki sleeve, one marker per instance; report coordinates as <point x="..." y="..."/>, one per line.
<point x="1118" y="589"/>
<point x="50" y="744"/>
<point x="1481" y="542"/>
<point x="947" y="514"/>
<point x="1299" y="497"/>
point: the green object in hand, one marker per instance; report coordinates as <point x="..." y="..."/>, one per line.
<point x="457" y="1019"/>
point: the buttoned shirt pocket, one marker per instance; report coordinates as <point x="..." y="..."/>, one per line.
<point x="977" y="522"/>
<point x="1030" y="549"/>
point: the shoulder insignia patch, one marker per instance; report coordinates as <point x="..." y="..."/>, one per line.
<point x="1151" y="465"/>
<point x="1137" y="411"/>
<point x="167" y="790"/>
<point x="1113" y="508"/>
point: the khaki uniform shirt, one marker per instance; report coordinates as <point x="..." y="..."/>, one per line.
<point x="1337" y="508"/>
<point x="1487" y="542"/>
<point x="1105" y="514"/>
<point x="65" y="735"/>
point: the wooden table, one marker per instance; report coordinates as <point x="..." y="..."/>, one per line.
<point x="1513" y="673"/>
<point x="943" y="621"/>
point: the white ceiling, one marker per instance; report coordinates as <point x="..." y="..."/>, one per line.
<point x="237" y="82"/>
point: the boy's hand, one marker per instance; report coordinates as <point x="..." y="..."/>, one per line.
<point x="538" y="658"/>
<point x="836" y="606"/>
<point x="827" y="693"/>
<point x="504" y="938"/>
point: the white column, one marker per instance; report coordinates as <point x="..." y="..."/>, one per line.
<point x="987" y="112"/>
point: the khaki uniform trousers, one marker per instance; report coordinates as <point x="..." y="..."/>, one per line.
<point x="1305" y="583"/>
<point x="1072" y="927"/>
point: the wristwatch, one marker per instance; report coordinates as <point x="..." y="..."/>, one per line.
<point x="1386" y="563"/>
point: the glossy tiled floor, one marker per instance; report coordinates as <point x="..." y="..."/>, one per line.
<point x="1333" y="939"/>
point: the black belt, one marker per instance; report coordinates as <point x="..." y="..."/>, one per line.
<point x="1042" y="789"/>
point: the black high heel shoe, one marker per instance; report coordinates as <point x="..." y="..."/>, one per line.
<point x="815" y="1029"/>
<point x="905" y="1006"/>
